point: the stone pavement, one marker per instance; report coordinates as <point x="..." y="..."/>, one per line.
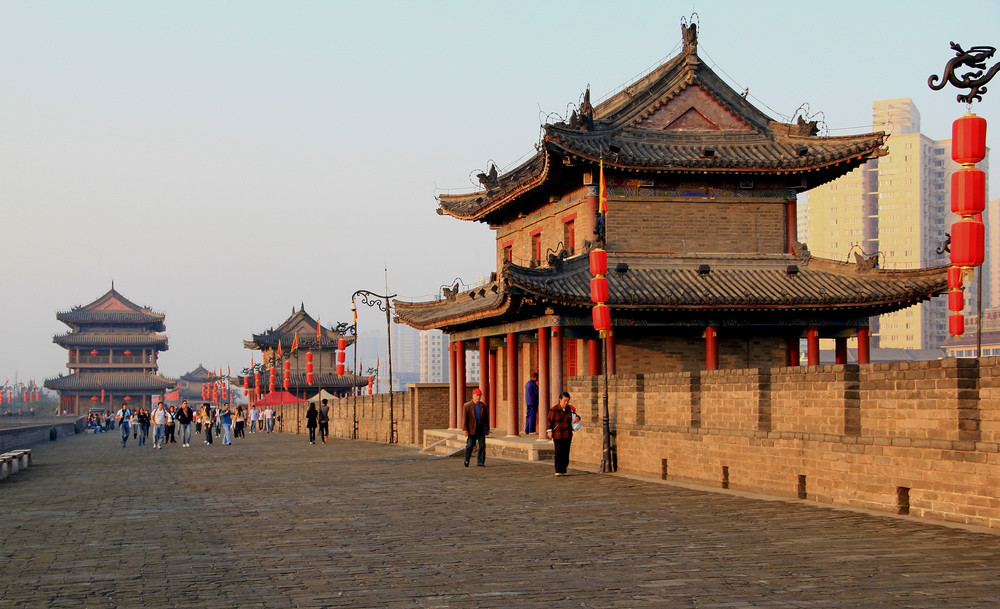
<point x="274" y="522"/>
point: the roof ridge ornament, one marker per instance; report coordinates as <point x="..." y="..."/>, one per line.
<point x="689" y="34"/>
<point x="975" y="60"/>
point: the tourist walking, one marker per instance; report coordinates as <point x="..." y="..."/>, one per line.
<point x="269" y="419"/>
<point x="254" y="413"/>
<point x="560" y="431"/>
<point x="206" y="422"/>
<point x="159" y="425"/>
<point x="122" y="416"/>
<point x="225" y="417"/>
<point x="324" y="420"/>
<point x="142" y="419"/>
<point x="239" y="423"/>
<point x="531" y="403"/>
<point x="171" y="425"/>
<point x="311" y="415"/>
<point x="476" y="425"/>
<point x="185" y="416"/>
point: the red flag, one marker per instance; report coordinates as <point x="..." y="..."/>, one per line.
<point x="602" y="195"/>
<point x="279" y="347"/>
<point x="295" y="342"/>
<point x="319" y="331"/>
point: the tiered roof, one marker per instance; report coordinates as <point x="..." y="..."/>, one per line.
<point x="298" y="322"/>
<point x="112" y="308"/>
<point x="679" y="119"/>
<point x="112" y="381"/>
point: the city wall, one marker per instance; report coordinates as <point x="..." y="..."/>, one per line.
<point x="24" y="437"/>
<point x="917" y="438"/>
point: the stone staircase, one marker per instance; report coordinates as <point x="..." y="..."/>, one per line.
<point x="450" y="442"/>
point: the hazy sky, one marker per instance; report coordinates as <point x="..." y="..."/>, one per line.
<point x="223" y="162"/>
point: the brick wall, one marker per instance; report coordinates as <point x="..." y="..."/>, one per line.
<point x="918" y="437"/>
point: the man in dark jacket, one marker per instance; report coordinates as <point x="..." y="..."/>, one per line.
<point x="184" y="416"/>
<point x="476" y="425"/>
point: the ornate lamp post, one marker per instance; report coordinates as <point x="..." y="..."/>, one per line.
<point x="968" y="185"/>
<point x="602" y="318"/>
<point x="381" y="302"/>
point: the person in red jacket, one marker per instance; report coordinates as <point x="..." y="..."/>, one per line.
<point x="560" y="430"/>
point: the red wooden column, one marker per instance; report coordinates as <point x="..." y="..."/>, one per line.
<point x="484" y="370"/>
<point x="791" y="226"/>
<point x="610" y="346"/>
<point x="452" y="393"/>
<point x="543" y="382"/>
<point x="460" y="392"/>
<point x="493" y="389"/>
<point x="593" y="357"/>
<point x="792" y="351"/>
<point x="812" y="346"/>
<point x="556" y="382"/>
<point x="513" y="388"/>
<point x="711" y="348"/>
<point x="864" y="345"/>
<point x="840" y="350"/>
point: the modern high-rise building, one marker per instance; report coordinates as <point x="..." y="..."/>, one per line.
<point x="898" y="208"/>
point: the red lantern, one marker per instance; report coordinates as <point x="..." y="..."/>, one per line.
<point x="968" y="243"/>
<point x="602" y="317"/>
<point x="956" y="324"/>
<point x="93" y="352"/>
<point x="246" y="385"/>
<point x="968" y="191"/>
<point x="955" y="277"/>
<point x="956" y="300"/>
<point x="340" y="369"/>
<point x="968" y="139"/>
<point x="93" y="398"/>
<point x="599" y="289"/>
<point x="127" y="352"/>
<point x="341" y="343"/>
<point x="341" y="357"/>
<point x="127" y="398"/>
<point x="270" y="387"/>
<point x="102" y="396"/>
<point x="309" y="357"/>
<point x="598" y="262"/>
<point x="309" y="377"/>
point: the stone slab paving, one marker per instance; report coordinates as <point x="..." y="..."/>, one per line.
<point x="275" y="522"/>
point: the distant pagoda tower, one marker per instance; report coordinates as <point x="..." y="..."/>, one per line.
<point x="191" y="383"/>
<point x="324" y="350"/>
<point x="113" y="349"/>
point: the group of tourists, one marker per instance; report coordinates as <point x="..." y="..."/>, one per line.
<point x="215" y="421"/>
<point x="562" y="422"/>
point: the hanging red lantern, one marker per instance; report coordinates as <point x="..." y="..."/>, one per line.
<point x="127" y="352"/>
<point x="968" y="139"/>
<point x="599" y="289"/>
<point x="246" y="385"/>
<point x="270" y="387"/>
<point x="102" y="396"/>
<point x="93" y="398"/>
<point x="598" y="262"/>
<point x="955" y="277"/>
<point x="309" y="357"/>
<point x="309" y="377"/>
<point x="956" y="324"/>
<point x="128" y="398"/>
<point x="968" y="191"/>
<point x="602" y="317"/>
<point x="341" y="357"/>
<point x="968" y="243"/>
<point x="340" y="369"/>
<point x="93" y="352"/>
<point x="956" y="300"/>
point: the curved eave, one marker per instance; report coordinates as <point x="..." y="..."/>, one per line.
<point x="479" y="205"/>
<point x="463" y="309"/>
<point x="111" y="340"/>
<point x="117" y="382"/>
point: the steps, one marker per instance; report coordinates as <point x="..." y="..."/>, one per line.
<point x="450" y="442"/>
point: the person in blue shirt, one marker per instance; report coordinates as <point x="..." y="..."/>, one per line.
<point x="531" y="403"/>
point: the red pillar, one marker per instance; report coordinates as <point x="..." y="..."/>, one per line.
<point x="556" y="382"/>
<point x="593" y="357"/>
<point x="452" y="394"/>
<point x="840" y="350"/>
<point x="793" y="351"/>
<point x="864" y="345"/>
<point x="460" y="389"/>
<point x="711" y="348"/>
<point x="609" y="344"/>
<point x="493" y="389"/>
<point x="791" y="226"/>
<point x="513" y="387"/>
<point x="543" y="382"/>
<point x="812" y="345"/>
<point x="484" y="370"/>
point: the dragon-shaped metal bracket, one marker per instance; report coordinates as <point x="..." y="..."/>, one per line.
<point x="975" y="80"/>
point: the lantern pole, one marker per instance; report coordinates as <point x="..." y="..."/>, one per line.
<point x="382" y="303"/>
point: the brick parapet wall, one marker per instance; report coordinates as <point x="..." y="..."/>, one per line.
<point x="920" y="437"/>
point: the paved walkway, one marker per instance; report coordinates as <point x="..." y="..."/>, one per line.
<point x="274" y="522"/>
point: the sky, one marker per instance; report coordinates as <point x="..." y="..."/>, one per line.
<point x="224" y="162"/>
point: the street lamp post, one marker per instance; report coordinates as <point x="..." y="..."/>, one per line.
<point x="381" y="302"/>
